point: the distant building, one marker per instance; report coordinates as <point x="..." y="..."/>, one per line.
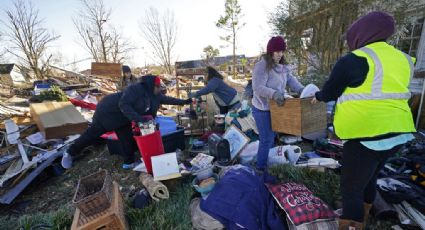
<point x="11" y="75"/>
<point x="223" y="64"/>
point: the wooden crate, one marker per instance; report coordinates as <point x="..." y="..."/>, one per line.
<point x="111" y="219"/>
<point x="298" y="116"/>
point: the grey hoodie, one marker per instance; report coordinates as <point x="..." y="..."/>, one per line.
<point x="266" y="83"/>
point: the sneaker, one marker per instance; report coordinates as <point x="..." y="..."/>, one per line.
<point x="66" y="160"/>
<point x="129" y="166"/>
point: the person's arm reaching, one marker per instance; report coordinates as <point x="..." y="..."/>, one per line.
<point x="211" y="86"/>
<point x="349" y="71"/>
<point x="259" y="81"/>
<point x="128" y="99"/>
<point x="166" y="100"/>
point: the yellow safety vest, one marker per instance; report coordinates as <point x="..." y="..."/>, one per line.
<point x="378" y="106"/>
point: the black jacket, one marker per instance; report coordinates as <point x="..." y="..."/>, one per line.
<point x="118" y="109"/>
<point x="349" y="71"/>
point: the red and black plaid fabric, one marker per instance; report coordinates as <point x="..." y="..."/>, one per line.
<point x="299" y="203"/>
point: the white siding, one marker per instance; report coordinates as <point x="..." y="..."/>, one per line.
<point x="420" y="63"/>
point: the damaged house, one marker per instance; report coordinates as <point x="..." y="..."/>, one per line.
<point x="11" y="75"/>
<point x="316" y="35"/>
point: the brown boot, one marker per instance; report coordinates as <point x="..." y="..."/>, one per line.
<point x="349" y="225"/>
<point x="366" y="209"/>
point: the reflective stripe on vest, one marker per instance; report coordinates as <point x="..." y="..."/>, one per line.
<point x="378" y="78"/>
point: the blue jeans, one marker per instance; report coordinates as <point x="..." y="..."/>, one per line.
<point x="264" y="125"/>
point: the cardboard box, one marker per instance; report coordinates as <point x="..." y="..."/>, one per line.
<point x="298" y="116"/>
<point x="57" y="119"/>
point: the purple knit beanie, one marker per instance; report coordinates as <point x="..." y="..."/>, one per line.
<point x="276" y="44"/>
<point x="375" y="26"/>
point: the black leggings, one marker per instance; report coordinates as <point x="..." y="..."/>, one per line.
<point x="93" y="133"/>
<point x="360" y="168"/>
<point x="225" y="109"/>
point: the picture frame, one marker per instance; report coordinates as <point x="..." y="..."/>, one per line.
<point x="165" y="167"/>
<point x="237" y="140"/>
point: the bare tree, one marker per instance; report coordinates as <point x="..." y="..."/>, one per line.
<point x="28" y="39"/>
<point x="103" y="44"/>
<point x="231" y="23"/>
<point x="161" y="33"/>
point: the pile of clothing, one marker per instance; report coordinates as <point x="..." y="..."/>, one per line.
<point x="402" y="182"/>
<point x="244" y="199"/>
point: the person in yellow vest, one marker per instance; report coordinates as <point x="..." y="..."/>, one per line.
<point x="370" y="87"/>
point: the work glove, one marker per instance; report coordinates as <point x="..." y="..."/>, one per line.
<point x="188" y="101"/>
<point x="279" y="98"/>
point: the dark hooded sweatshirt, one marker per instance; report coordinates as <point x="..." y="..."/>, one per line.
<point x="351" y="70"/>
<point x="118" y="109"/>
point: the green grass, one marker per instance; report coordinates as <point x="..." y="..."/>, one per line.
<point x="59" y="220"/>
<point x="166" y="214"/>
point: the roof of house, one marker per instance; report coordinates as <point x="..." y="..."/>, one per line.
<point x="217" y="61"/>
<point x="6" y="68"/>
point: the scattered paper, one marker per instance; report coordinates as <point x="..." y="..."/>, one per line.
<point x="202" y="161"/>
<point x="36" y="138"/>
<point x="12" y="131"/>
<point x="140" y="168"/>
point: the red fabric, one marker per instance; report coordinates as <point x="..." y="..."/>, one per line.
<point x="110" y="136"/>
<point x="276" y="44"/>
<point x="299" y="203"/>
<point x="83" y="104"/>
<point x="157" y="81"/>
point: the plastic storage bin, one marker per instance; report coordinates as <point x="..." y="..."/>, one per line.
<point x="149" y="146"/>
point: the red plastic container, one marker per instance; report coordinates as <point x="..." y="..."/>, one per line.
<point x="149" y="146"/>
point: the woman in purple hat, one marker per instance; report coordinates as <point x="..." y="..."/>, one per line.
<point x="372" y="115"/>
<point x="269" y="80"/>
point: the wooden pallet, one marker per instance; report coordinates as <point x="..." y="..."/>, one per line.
<point x="110" y="219"/>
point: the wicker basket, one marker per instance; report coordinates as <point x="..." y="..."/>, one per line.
<point x="94" y="193"/>
<point x="298" y="117"/>
<point x="112" y="218"/>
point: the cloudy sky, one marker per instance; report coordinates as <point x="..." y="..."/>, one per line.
<point x="196" y="21"/>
